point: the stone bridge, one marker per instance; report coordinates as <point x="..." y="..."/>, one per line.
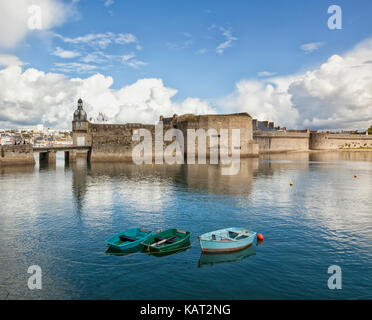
<point x="48" y="153"/>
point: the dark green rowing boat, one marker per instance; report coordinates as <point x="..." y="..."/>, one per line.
<point x="167" y="240"/>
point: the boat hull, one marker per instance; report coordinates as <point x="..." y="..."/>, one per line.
<point x="182" y="241"/>
<point x="225" y="245"/>
<point x="115" y="242"/>
<point x="209" y="248"/>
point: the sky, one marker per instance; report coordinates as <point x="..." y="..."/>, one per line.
<point x="136" y="60"/>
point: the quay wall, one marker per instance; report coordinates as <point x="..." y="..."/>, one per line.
<point x="281" y="141"/>
<point x="335" y="141"/>
<point x="16" y="155"/>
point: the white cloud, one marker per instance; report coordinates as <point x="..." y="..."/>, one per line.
<point x="9" y="60"/>
<point x="202" y="51"/>
<point x="265" y="100"/>
<point x="125" y="38"/>
<point x="266" y="74"/>
<point x="101" y="60"/>
<point x="100" y="40"/>
<point x="338" y="94"/>
<point x="65" y="54"/>
<point x="14" y="17"/>
<point x="127" y="57"/>
<point x="130" y="61"/>
<point x="96" y="57"/>
<point x="194" y="105"/>
<point x="32" y="97"/>
<point x="180" y="45"/>
<point x="311" y="47"/>
<point x="109" y="3"/>
<point x="148" y="99"/>
<point x="73" y="67"/>
<point x="228" y="40"/>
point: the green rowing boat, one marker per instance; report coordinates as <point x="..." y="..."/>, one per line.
<point x="167" y="240"/>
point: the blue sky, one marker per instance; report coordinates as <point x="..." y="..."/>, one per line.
<point x="269" y="35"/>
<point x="206" y="50"/>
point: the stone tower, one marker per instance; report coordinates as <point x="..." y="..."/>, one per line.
<point x="80" y="127"/>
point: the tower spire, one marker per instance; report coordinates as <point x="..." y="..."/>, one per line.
<point x="80" y="114"/>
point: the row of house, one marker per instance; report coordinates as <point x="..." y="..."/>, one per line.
<point x="35" y="137"/>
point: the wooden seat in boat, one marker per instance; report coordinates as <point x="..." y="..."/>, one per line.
<point x="126" y="238"/>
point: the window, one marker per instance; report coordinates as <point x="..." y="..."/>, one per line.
<point x="80" y="141"/>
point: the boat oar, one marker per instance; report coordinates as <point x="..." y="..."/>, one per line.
<point x="162" y="241"/>
<point x="240" y="232"/>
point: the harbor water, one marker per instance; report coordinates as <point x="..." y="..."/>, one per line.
<point x="59" y="217"/>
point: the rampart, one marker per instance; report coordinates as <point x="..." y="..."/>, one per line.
<point x="113" y="142"/>
<point x="281" y="141"/>
<point x="337" y="141"/>
<point x="16" y="155"/>
<point x="241" y="121"/>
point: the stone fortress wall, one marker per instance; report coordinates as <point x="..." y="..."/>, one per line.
<point x="241" y="121"/>
<point x="273" y="139"/>
<point x="336" y="141"/>
<point x="114" y="142"/>
<point x="16" y="155"/>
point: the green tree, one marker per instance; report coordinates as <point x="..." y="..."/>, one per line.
<point x="370" y="130"/>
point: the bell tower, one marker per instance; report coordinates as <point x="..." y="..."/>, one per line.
<point x="80" y="127"/>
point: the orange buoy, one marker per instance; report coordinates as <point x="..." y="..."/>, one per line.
<point x="259" y="237"/>
<point x="355" y="176"/>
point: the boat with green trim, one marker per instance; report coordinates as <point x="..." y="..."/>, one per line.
<point x="167" y="240"/>
<point x="129" y="240"/>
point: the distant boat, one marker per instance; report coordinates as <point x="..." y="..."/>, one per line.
<point x="216" y="258"/>
<point x="129" y="240"/>
<point x="166" y="241"/>
<point x="226" y="240"/>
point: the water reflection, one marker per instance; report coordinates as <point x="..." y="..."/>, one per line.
<point x="320" y="156"/>
<point x="117" y="252"/>
<point x="325" y="218"/>
<point x="80" y="170"/>
<point x="16" y="169"/>
<point x="147" y="191"/>
<point x="208" y="178"/>
<point x="194" y="178"/>
<point x="209" y="259"/>
<point x="184" y="247"/>
<point x="341" y="156"/>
